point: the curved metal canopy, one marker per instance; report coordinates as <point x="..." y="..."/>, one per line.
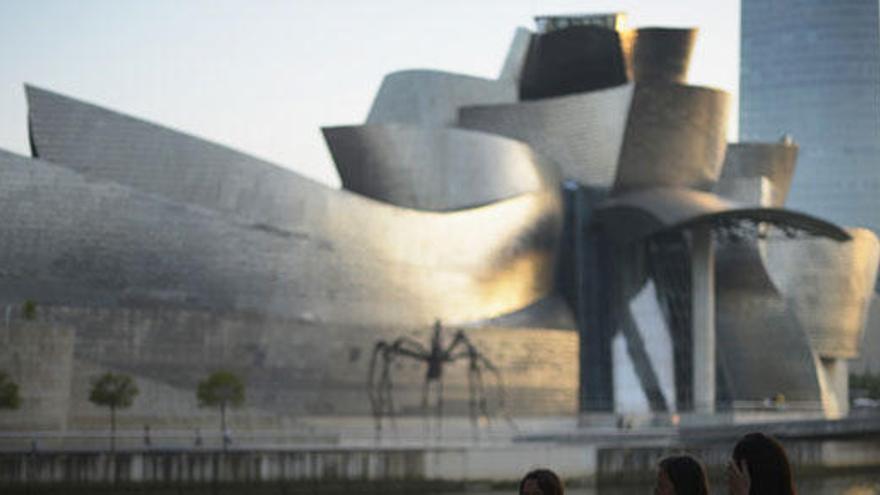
<point x="436" y="169"/>
<point x="640" y="214"/>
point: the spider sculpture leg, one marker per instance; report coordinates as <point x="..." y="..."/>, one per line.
<point x="375" y="390"/>
<point x="439" y="405"/>
<point x="380" y="390"/>
<point x="482" y="398"/>
<point x="386" y="391"/>
<point x="472" y="400"/>
<point x="425" y="387"/>
<point x="478" y="363"/>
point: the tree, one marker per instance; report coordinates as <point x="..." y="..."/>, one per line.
<point x="9" y="396"/>
<point x="221" y="389"/>
<point x="116" y="391"/>
<point x="29" y="310"/>
<point x="868" y="383"/>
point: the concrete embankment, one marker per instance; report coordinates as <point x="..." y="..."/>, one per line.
<point x="441" y="466"/>
<point x="813" y="447"/>
<point x="586" y="456"/>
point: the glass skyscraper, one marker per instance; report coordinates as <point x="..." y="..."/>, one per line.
<point x="811" y="69"/>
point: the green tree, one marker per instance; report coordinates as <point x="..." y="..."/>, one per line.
<point x="116" y="391"/>
<point x="221" y="389"/>
<point x="9" y="396"/>
<point x="29" y="310"/>
<point x="867" y="382"/>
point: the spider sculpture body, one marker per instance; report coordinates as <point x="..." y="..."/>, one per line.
<point x="435" y="357"/>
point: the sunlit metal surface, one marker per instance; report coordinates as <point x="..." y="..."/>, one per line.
<point x="110" y="146"/>
<point x="572" y="60"/>
<point x="869" y="355"/>
<point x="582" y="133"/>
<point x="670" y="136"/>
<point x="638" y="215"/>
<point x="829" y="287"/>
<point x="675" y="137"/>
<point x="169" y="292"/>
<point x="754" y="191"/>
<point x="436" y="169"/>
<point x="175" y="256"/>
<point x="432" y="98"/>
<point x="658" y="54"/>
<point x="303" y="250"/>
<point x="551" y="312"/>
<point x="746" y="163"/>
<point x="762" y="348"/>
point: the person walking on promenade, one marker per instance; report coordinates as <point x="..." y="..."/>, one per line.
<point x="759" y="467"/>
<point x="541" y="482"/>
<point x="681" y="475"/>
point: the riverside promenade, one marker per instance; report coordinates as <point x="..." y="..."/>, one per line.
<point x="581" y="456"/>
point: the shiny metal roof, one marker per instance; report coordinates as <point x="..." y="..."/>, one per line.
<point x="639" y="214"/>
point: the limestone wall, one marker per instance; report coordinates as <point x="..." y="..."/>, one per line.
<point x="38" y="356"/>
<point x="297" y="370"/>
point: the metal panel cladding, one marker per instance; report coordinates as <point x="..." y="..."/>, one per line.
<point x="484" y="261"/>
<point x="758" y="166"/>
<point x="675" y="137"/>
<point x="762" y="349"/>
<point x="811" y="68"/>
<point x="582" y="133"/>
<point x="432" y="98"/>
<point x="829" y="285"/>
<point x="659" y="54"/>
<point x="436" y="169"/>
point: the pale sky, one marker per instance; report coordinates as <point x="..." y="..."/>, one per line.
<point x="263" y="76"/>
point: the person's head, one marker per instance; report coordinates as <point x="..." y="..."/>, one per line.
<point x="769" y="470"/>
<point x="541" y="482"/>
<point x="681" y="475"/>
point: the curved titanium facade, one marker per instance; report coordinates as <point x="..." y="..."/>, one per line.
<point x="121" y="248"/>
<point x="640" y="214"/>
<point x="393" y="247"/>
<point x="172" y="256"/>
<point x="110" y="146"/>
<point x="647" y="135"/>
<point x="432" y="98"/>
<point x="675" y="137"/>
<point x="572" y="60"/>
<point x="659" y="54"/>
<point x="762" y="350"/>
<point x="811" y="69"/>
<point x="745" y="164"/>
<point x="435" y="169"/>
<point x="829" y="287"/>
<point x="581" y="133"/>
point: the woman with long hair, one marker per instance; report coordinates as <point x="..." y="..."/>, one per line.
<point x="759" y="467"/>
<point x="541" y="482"/>
<point x="681" y="475"/>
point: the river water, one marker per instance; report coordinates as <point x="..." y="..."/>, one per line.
<point x="853" y="484"/>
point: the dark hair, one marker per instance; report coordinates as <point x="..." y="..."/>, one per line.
<point x="768" y="465"/>
<point x="548" y="482"/>
<point x="687" y="475"/>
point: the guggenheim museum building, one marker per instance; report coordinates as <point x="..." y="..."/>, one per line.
<point x="581" y="218"/>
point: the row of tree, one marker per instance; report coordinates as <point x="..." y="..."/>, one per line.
<point x="868" y="383"/>
<point x="221" y="389"/>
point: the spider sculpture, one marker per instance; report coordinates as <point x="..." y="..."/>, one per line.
<point x="435" y="357"/>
